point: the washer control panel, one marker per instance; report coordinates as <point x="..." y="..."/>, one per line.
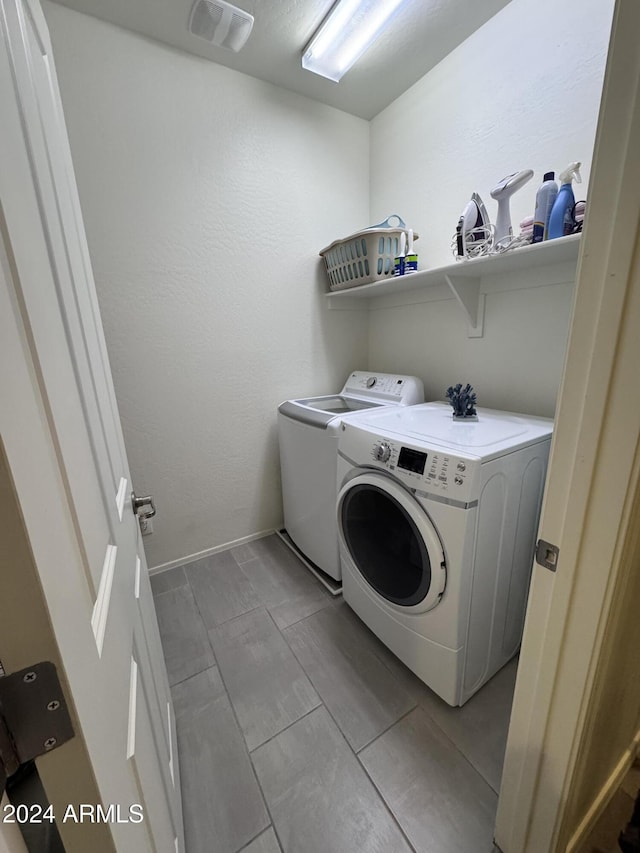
<point x="385" y="387"/>
<point x="426" y="469"/>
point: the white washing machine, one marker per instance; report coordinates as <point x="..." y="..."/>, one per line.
<point x="437" y="522"/>
<point x="308" y="431"/>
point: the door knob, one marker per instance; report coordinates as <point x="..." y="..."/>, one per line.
<point x="143" y="507"/>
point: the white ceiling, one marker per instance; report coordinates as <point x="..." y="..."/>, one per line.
<point x="420" y="35"/>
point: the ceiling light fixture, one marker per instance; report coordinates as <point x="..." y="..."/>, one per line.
<point x="346" y="33"/>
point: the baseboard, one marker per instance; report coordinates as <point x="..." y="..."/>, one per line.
<point x="604" y="797"/>
<point x="191" y="558"/>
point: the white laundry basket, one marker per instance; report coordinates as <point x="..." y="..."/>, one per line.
<point x="365" y="256"/>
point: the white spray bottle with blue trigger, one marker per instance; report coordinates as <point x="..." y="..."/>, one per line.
<point x="561" y="220"/>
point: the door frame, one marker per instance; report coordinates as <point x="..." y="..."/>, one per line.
<point x="595" y="446"/>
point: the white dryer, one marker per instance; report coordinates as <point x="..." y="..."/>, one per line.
<point x="308" y="431"/>
<point x="437" y="522"/>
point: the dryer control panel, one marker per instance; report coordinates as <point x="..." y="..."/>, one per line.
<point x="426" y="469"/>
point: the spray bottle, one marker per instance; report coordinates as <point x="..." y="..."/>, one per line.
<point x="561" y="219"/>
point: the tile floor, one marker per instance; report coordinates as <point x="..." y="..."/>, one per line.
<point x="300" y="732"/>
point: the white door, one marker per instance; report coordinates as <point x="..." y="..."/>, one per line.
<point x="62" y="446"/>
<point x="594" y="474"/>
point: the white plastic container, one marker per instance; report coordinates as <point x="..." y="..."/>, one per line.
<point x="365" y="256"/>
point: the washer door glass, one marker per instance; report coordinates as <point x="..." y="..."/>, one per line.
<point x="392" y="541"/>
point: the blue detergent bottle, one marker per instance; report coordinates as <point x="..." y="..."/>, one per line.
<point x="561" y="219"/>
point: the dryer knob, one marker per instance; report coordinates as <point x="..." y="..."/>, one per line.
<point x="371" y="381"/>
<point x="382" y="451"/>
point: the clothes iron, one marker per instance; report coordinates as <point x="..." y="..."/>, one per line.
<point x="473" y="235"/>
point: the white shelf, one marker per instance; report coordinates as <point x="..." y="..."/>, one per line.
<point x="464" y="277"/>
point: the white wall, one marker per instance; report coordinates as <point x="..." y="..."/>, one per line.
<point x="522" y="92"/>
<point x="206" y="196"/>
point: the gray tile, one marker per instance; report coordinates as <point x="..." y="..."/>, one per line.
<point x="242" y="553"/>
<point x="265" y="843"/>
<point x="319" y="796"/>
<point x="222" y="804"/>
<point x="285" y="586"/>
<point x="220" y="588"/>
<point x="266" y="684"/>
<point x="438" y="798"/>
<point x="479" y="729"/>
<point x="414" y="686"/>
<point x="184" y="638"/>
<point x="194" y="694"/>
<point x="164" y="581"/>
<point x="338" y="654"/>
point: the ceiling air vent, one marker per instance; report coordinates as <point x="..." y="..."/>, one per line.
<point x="220" y="23"/>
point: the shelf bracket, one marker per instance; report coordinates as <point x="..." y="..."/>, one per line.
<point x="467" y="293"/>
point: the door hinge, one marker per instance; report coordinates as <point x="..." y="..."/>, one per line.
<point x="34" y="718"/>
<point x="547" y="555"/>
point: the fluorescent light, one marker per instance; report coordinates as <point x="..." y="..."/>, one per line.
<point x="351" y="28"/>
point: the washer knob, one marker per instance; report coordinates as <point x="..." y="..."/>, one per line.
<point x="382" y="451"/>
<point x="371" y="381"/>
